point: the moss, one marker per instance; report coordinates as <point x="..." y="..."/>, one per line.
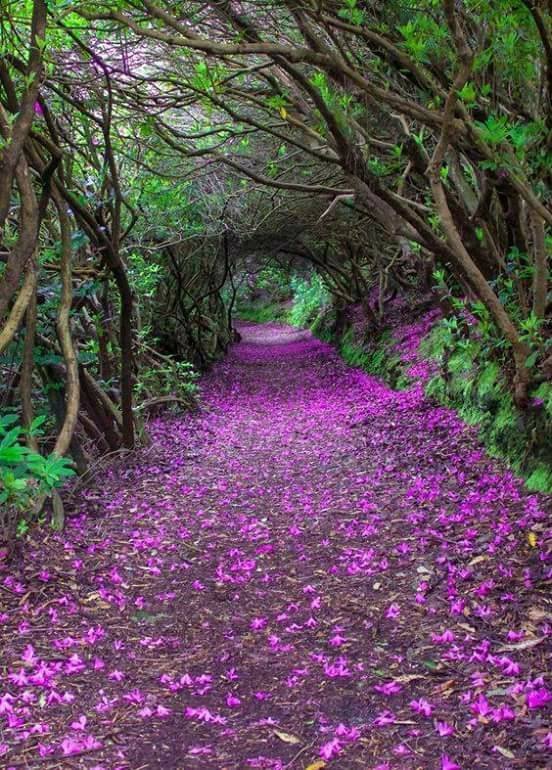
<point x="435" y="344"/>
<point x="261" y="313"/>
<point x="540" y="479"/>
<point x="378" y="359"/>
<point x="471" y="382"/>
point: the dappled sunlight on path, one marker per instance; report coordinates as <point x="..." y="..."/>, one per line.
<point x="313" y="569"/>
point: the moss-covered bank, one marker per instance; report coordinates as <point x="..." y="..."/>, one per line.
<point x="459" y="372"/>
<point x="455" y="364"/>
<point x="469" y="380"/>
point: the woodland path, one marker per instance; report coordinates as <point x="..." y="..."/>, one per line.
<point x="313" y="569"/>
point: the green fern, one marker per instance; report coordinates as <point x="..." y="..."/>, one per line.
<point x="540" y="479"/>
<point x="544" y="392"/>
<point x="435" y="344"/>
<point x="437" y="388"/>
<point x="488" y="384"/>
<point x="472" y="414"/>
<point x="461" y="386"/>
<point x="506" y="417"/>
<point x="460" y="362"/>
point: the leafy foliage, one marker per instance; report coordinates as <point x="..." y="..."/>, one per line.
<point x="169" y="378"/>
<point x="310" y="297"/>
<point x="471" y="381"/>
<point x="25" y="475"/>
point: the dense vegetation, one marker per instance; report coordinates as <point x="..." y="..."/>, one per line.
<point x="159" y="160"/>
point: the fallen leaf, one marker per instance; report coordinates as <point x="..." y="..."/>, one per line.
<point x="532" y="539"/>
<point x="505" y="752"/>
<point x="466" y="627"/>
<point x="316" y="765"/>
<point x="537" y="614"/>
<point x="432" y="665"/>
<point x="405" y="678"/>
<point x="286" y="737"/>
<point x="477" y="560"/>
<point x="521" y="645"/>
<point x="95" y="597"/>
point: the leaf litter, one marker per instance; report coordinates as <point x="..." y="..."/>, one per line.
<point x="313" y="571"/>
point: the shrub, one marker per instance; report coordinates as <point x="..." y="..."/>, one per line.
<point x="170" y="378"/>
<point x="310" y="297"/>
<point x="25" y="476"/>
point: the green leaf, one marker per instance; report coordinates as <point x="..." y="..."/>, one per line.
<point x="495" y="130"/>
<point x="37" y="423"/>
<point x="6" y="421"/>
<point x="11" y="437"/>
<point x="22" y="527"/>
<point x="468" y="94"/>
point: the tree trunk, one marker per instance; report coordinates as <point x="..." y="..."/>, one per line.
<point x="72" y="388"/>
<point x="540" y="279"/>
<point x="27" y="366"/>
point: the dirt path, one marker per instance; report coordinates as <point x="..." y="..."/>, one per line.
<point x="312" y="570"/>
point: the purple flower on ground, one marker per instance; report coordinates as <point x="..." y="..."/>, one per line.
<point x="258" y="623"/>
<point x="444" y="729"/>
<point x="422" y="706"/>
<point x="330" y="749"/>
<point x="481" y="706"/>
<point x="448" y="764"/>
<point x="389" y="688"/>
<point x="385" y="718"/>
<point x="538" y="698"/>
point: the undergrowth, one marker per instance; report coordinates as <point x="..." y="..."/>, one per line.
<point x="377" y="359"/>
<point x="310" y="297"/>
<point x="262" y="313"/>
<point x="470" y="382"/>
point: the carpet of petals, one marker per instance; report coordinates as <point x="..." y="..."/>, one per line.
<point x="312" y="571"/>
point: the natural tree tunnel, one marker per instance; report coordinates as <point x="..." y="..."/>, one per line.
<point x="275" y="332"/>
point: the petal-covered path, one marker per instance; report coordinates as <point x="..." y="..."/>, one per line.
<point x="313" y="571"/>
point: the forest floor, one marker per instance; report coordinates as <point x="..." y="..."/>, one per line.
<point x="312" y="571"/>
